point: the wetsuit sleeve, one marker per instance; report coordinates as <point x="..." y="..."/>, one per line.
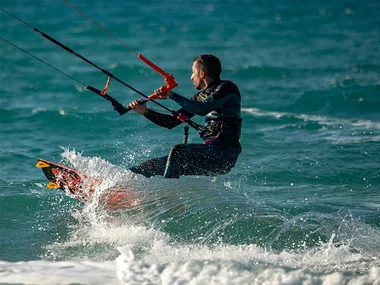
<point x="165" y="120"/>
<point x="200" y="108"/>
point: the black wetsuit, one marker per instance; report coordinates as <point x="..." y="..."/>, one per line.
<point x="220" y="104"/>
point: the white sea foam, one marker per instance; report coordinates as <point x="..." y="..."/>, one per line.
<point x="208" y="269"/>
<point x="58" y="273"/>
<point x="148" y="256"/>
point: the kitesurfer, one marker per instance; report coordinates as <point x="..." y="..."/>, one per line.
<point x="219" y="102"/>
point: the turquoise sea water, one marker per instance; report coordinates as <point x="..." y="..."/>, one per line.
<point x="302" y="205"/>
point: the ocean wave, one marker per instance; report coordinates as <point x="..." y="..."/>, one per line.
<point x="186" y="216"/>
<point x="335" y="129"/>
<point x="247" y="265"/>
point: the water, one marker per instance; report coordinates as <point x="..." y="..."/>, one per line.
<point x="300" y="207"/>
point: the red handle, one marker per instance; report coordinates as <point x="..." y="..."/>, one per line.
<point x="151" y="64"/>
<point x="169" y="79"/>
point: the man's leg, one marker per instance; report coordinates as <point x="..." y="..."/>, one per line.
<point x="151" y="167"/>
<point x="199" y="159"/>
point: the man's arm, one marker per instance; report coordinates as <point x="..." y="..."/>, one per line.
<point x="164" y="120"/>
<point x="201" y="108"/>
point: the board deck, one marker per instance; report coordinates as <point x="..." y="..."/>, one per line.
<point x="73" y="182"/>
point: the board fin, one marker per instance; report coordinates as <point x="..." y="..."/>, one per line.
<point x="42" y="164"/>
<point x="53" y="185"/>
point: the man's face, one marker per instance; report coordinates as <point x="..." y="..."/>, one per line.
<point x="197" y="76"/>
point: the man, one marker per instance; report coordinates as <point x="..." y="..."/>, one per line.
<point x="219" y="103"/>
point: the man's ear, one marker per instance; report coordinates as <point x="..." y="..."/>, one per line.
<point x="202" y="73"/>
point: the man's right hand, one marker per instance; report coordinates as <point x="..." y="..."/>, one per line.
<point x="137" y="107"/>
<point x="161" y="93"/>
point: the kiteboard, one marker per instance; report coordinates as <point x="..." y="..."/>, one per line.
<point x="75" y="184"/>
